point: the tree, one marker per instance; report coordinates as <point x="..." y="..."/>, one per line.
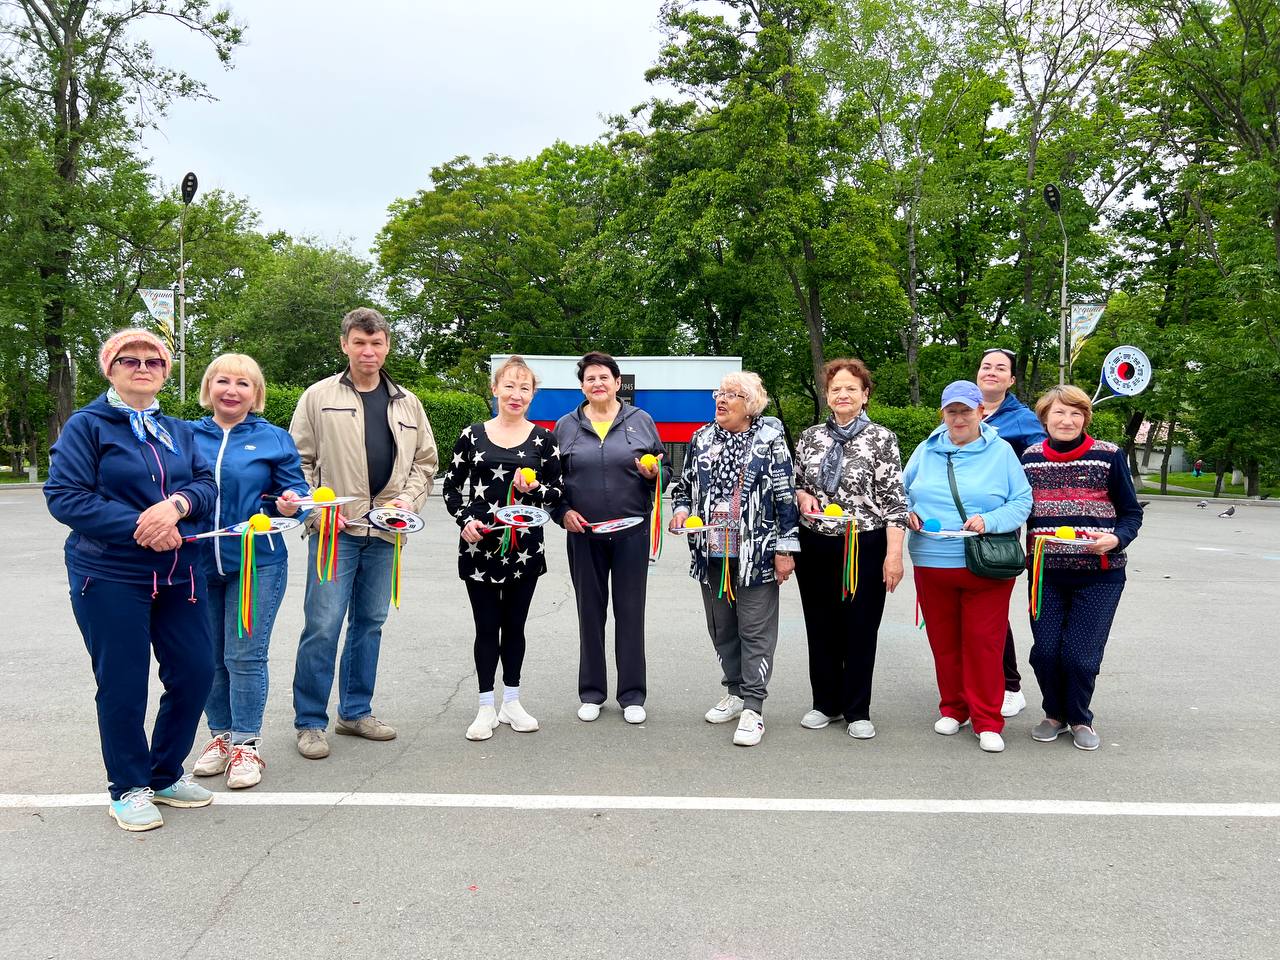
<point x="84" y="82"/>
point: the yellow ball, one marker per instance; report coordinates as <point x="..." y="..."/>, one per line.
<point x="648" y="461"/>
<point x="1065" y="533"/>
<point x="528" y="474"/>
<point x="694" y="522"/>
<point x="260" y="522"/>
<point x="323" y="494"/>
<point x="834" y="510"/>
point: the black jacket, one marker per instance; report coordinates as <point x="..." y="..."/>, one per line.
<point x="601" y="481"/>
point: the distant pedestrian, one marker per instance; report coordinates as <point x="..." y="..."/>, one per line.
<point x="1197" y="468"/>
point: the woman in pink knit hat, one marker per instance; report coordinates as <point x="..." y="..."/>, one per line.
<point x="130" y="484"/>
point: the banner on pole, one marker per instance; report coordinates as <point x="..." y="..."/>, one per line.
<point x="160" y="304"/>
<point x="1084" y="320"/>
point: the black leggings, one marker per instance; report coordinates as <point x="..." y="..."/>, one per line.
<point x="500" y="610"/>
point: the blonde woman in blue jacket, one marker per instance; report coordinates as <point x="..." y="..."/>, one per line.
<point x="250" y="457"/>
<point x="965" y="615"/>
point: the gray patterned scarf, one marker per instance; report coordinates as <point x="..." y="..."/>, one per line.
<point x="829" y="472"/>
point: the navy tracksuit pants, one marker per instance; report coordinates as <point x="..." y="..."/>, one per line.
<point x="594" y="561"/>
<point x="122" y="623"/>
<point x="1075" y="620"/>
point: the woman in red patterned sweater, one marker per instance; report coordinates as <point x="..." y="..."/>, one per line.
<point x="1082" y="484"/>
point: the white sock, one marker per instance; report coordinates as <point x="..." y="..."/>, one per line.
<point x="486" y="699"/>
<point x="510" y="693"/>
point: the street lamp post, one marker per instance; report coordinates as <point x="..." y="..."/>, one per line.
<point x="1053" y="197"/>
<point x="189" y="185"/>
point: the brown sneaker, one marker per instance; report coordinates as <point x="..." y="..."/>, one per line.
<point x="370" y="727"/>
<point x="312" y="744"/>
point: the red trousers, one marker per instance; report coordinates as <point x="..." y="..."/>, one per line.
<point x="966" y="617"/>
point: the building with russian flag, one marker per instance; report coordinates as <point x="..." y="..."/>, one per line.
<point x="675" y="391"/>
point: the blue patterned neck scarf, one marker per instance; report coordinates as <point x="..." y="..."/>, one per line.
<point x="144" y="421"/>
<point x="829" y="470"/>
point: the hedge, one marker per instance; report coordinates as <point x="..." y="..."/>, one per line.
<point x="449" y="411"/>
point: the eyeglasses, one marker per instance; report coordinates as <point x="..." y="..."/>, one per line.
<point x="156" y="364"/>
<point x="729" y="395"/>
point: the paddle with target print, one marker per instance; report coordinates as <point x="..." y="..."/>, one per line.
<point x="397" y="521"/>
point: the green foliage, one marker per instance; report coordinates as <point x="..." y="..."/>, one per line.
<point x="911" y="424"/>
<point x="451" y="412"/>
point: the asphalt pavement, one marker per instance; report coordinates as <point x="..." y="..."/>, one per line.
<point x="433" y="846"/>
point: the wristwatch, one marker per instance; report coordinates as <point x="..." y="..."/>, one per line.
<point x="180" y="504"/>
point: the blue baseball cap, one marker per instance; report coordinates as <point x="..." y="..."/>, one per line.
<point x="962" y="391"/>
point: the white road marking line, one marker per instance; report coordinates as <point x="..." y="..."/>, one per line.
<point x="1056" y="808"/>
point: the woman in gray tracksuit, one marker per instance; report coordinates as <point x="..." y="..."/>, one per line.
<point x="601" y="443"/>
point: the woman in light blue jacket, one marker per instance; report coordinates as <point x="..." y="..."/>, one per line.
<point x="251" y="458"/>
<point x="965" y="614"/>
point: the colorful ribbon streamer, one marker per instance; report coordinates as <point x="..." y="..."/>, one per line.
<point x="726" y="581"/>
<point x="849" y="581"/>
<point x="656" y="530"/>
<point x="248" y="583"/>
<point x="327" y="550"/>
<point x="395" y="574"/>
<point x="1037" y="578"/>
<point x="919" y="618"/>
<point x="509" y="539"/>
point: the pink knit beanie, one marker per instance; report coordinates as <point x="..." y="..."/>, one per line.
<point x="118" y="341"/>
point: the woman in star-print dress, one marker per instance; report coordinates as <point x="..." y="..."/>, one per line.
<point x="501" y="572"/>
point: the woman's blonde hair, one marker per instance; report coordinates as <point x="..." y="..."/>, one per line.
<point x="517" y="363"/>
<point x="238" y="365"/>
<point x="751" y="385"/>
<point x="1068" y="396"/>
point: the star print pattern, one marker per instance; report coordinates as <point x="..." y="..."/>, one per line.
<point x="479" y="467"/>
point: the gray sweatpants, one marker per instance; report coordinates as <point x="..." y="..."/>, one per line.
<point x="745" y="635"/>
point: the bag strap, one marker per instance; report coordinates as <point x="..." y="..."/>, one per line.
<point x="955" y="494"/>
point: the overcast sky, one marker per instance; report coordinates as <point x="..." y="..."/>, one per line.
<point x="334" y="109"/>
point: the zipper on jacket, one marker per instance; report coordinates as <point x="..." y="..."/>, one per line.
<point x="217" y="503"/>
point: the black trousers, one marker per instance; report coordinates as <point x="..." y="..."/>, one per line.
<point x="592" y="561"/>
<point x="842" y="633"/>
<point x="1012" y="678"/>
<point x="500" y="611"/>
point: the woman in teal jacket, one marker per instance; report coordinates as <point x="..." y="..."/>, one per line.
<point x="965" y="615"/>
<point x="251" y="457"/>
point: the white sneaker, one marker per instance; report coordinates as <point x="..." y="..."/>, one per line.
<point x="517" y="716"/>
<point x="1014" y="703"/>
<point x="634" y="714"/>
<point x="729" y="708"/>
<point x="862" y="729"/>
<point x="750" y="729"/>
<point x="588" y="712"/>
<point x="214" y="756"/>
<point x="991" y="742"/>
<point x="948" y="726"/>
<point x="484" y="724"/>
<point x="816" y="720"/>
<point x="244" y="769"/>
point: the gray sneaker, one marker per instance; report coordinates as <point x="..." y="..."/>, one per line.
<point x="862" y="730"/>
<point x="1085" y="738"/>
<point x="1047" y="731"/>
<point x="370" y="728"/>
<point x="313" y="744"/>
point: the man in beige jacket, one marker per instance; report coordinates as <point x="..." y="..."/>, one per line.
<point x="363" y="436"/>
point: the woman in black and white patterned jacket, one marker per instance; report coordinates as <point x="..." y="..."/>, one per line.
<point x="737" y="479"/>
<point x="852" y="463"/>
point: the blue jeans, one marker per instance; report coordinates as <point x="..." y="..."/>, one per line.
<point x="239" y="692"/>
<point x="362" y="584"/>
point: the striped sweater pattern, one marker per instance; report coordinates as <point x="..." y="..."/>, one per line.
<point x="1087" y="489"/>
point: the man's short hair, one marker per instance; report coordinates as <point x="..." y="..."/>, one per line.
<point x="367" y="320"/>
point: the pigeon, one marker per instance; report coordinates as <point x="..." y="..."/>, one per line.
<point x="1229" y="512"/>
<point x="1202" y="504"/>
<point x="1144" y="503"/>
